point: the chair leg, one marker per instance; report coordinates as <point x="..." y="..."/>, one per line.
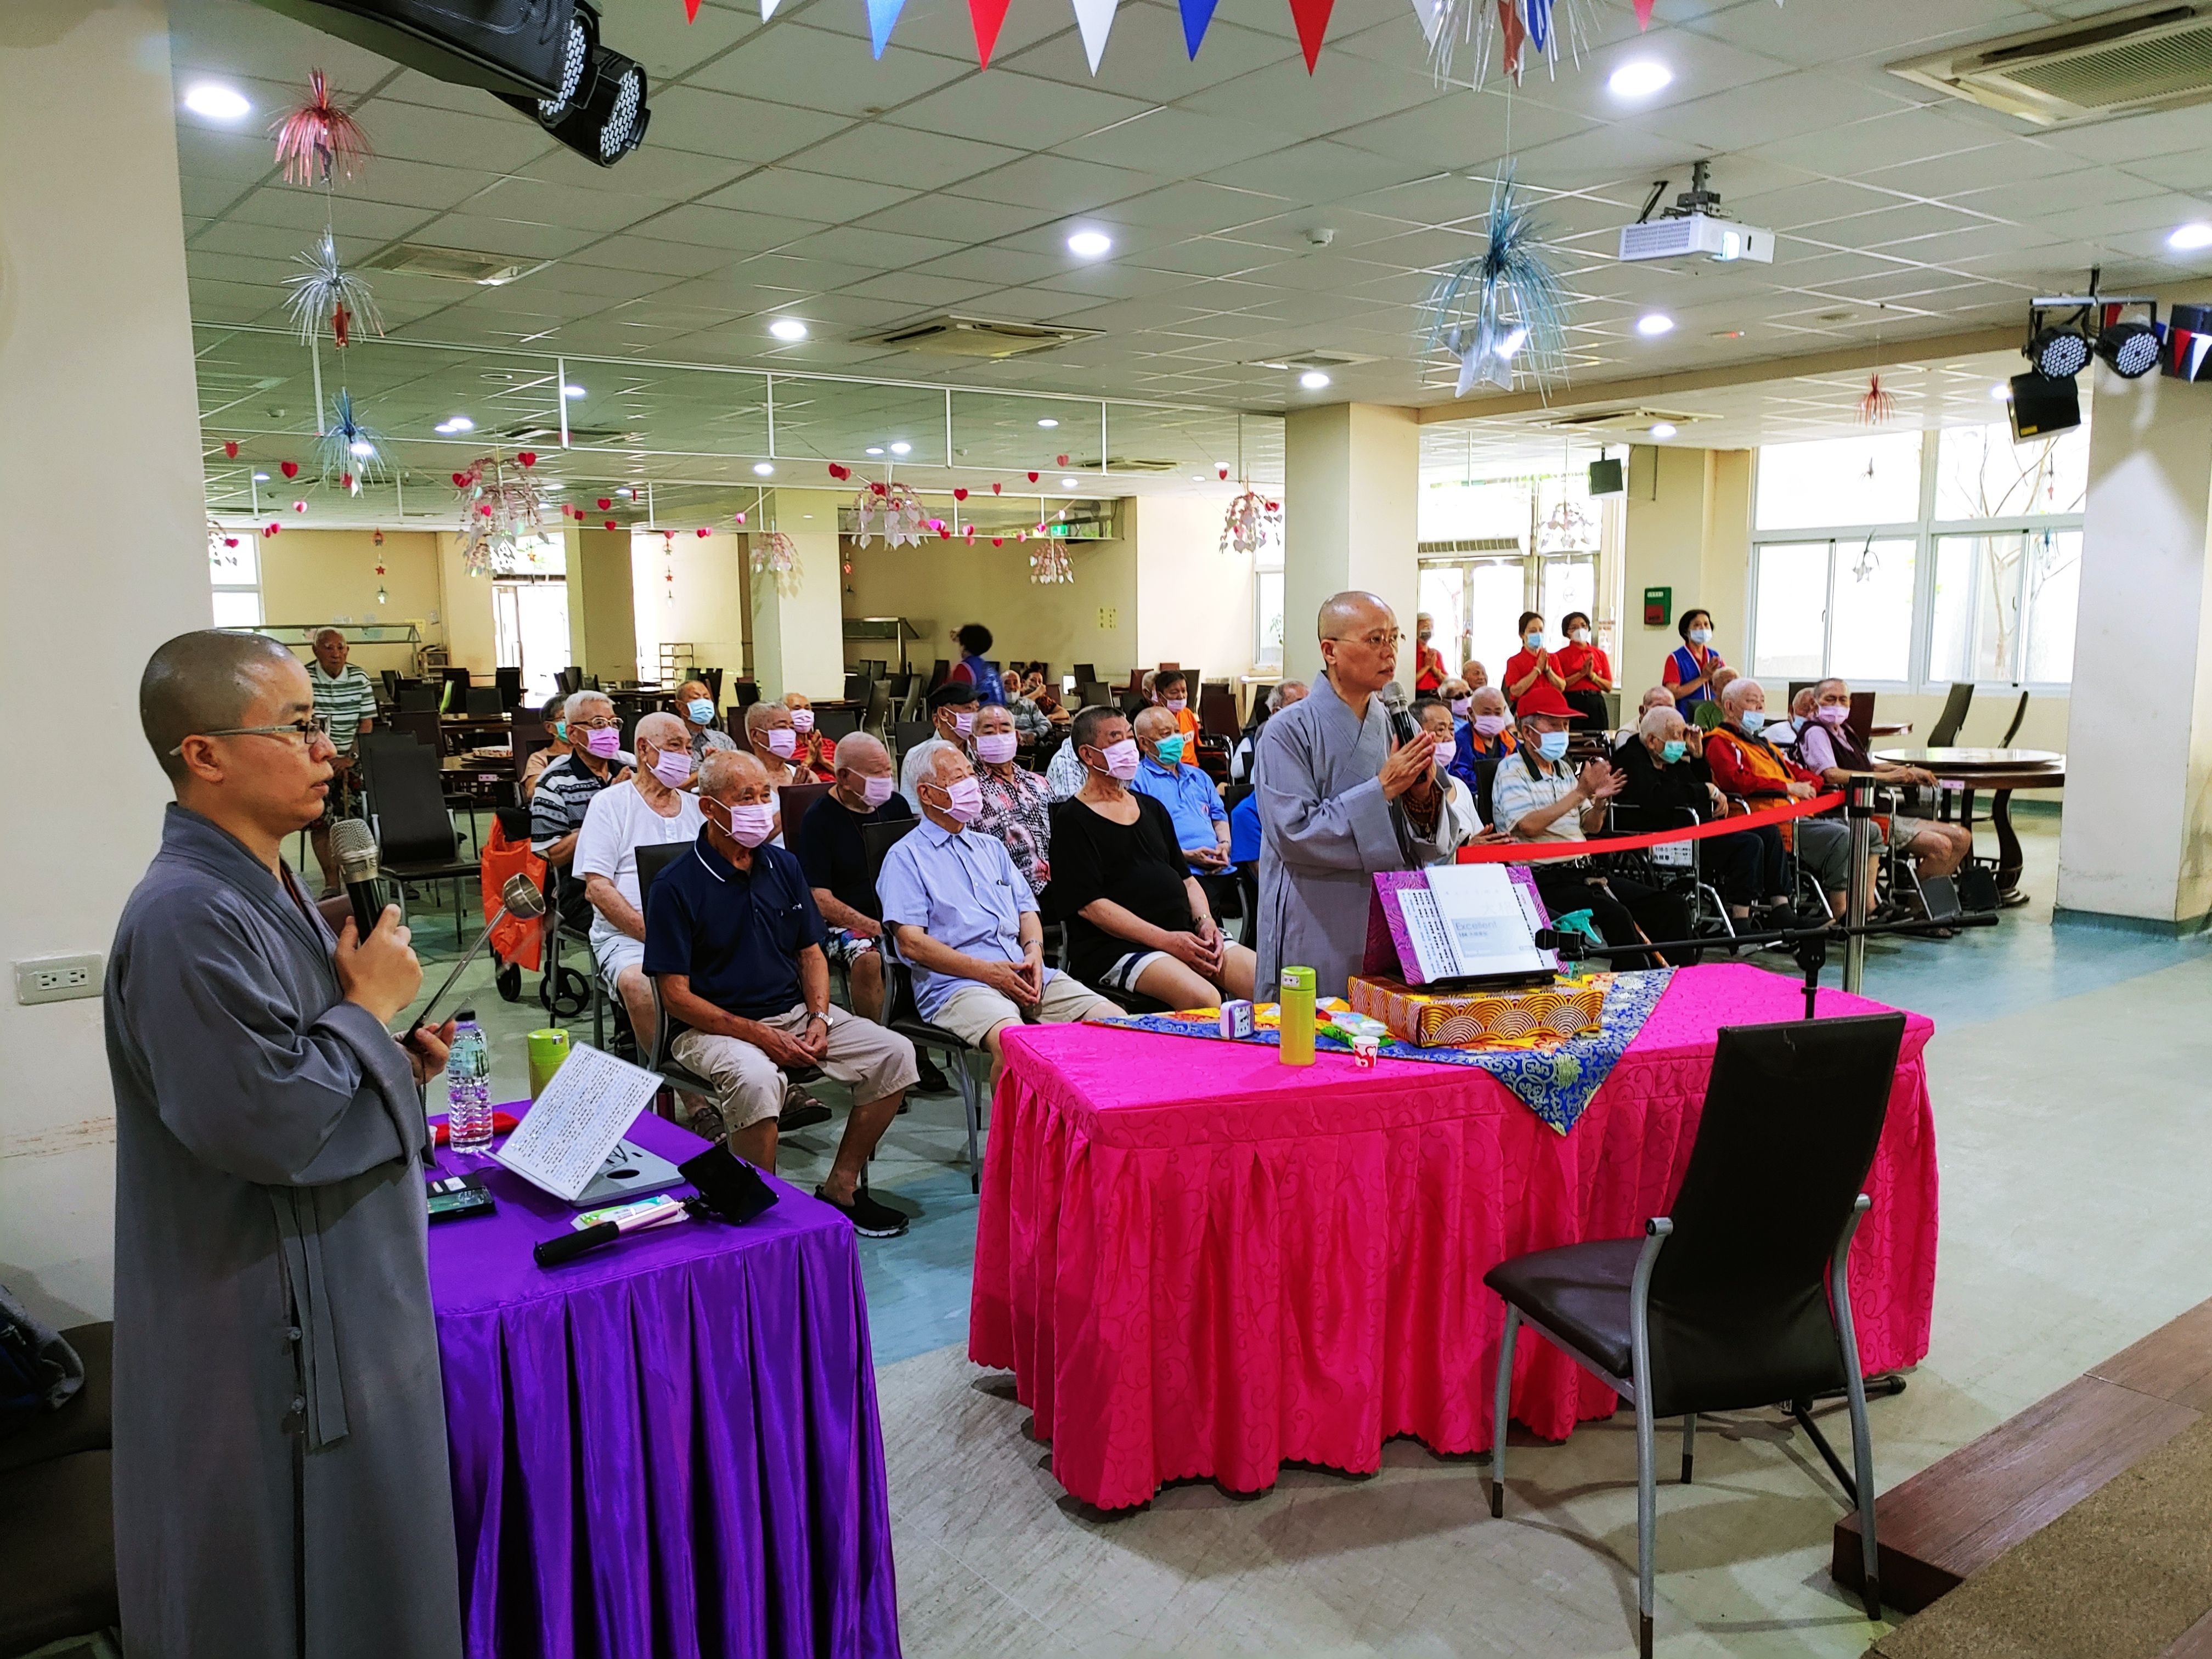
<point x="1501" y="1411"/>
<point x="1863" y="1461"/>
<point x="457" y="913"/>
<point x="1689" y="1443"/>
<point x="1647" y="1520"/>
<point x="973" y="1111"/>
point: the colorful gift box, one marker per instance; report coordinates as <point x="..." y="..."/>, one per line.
<point x="1466" y="1019"/>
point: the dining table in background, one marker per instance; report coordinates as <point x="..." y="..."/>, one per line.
<point x="1963" y="772"/>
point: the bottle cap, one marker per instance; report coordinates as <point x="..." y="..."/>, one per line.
<point x="1298" y="979"/>
<point x="465" y="1015"/>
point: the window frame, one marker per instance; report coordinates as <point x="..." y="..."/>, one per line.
<point x="1924" y="532"/>
<point x="215" y="588"/>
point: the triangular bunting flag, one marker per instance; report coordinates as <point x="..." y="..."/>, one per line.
<point x="987" y="16"/>
<point x="1312" y="19"/>
<point x="1510" y="36"/>
<point x="691" y="11"/>
<point x="1095" y="19"/>
<point x="1196" y="15"/>
<point x="1431" y="13"/>
<point x="1644" y="13"/>
<point x="767" y="9"/>
<point x="881" y="13"/>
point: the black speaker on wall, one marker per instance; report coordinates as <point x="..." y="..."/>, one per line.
<point x="1605" y="478"/>
<point x="2042" y="405"/>
<point x="517" y="47"/>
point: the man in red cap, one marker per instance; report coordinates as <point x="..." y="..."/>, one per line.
<point x="1536" y="797"/>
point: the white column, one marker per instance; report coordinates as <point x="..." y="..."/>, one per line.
<point x="105" y="557"/>
<point x="798" y="638"/>
<point x="2135" y="848"/>
<point x="1351" y="479"/>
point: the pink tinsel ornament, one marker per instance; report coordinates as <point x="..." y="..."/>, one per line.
<point x="317" y="139"/>
<point x="1878" y="404"/>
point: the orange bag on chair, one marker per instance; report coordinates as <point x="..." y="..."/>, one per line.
<point x="515" y="940"/>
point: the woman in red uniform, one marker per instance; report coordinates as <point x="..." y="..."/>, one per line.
<point x="1531" y="663"/>
<point x="1587" y="671"/>
<point x="1429" y="670"/>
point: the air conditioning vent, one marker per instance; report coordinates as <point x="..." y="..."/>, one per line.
<point x="2141" y="58"/>
<point x="1623" y="420"/>
<point x="1322" y="359"/>
<point x="977" y="337"/>
<point x="452" y="264"/>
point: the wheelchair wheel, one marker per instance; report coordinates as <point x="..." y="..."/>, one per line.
<point x="565" y="994"/>
<point x="510" y="981"/>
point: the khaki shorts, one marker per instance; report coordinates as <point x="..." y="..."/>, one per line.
<point x="973" y="1011"/>
<point x="873" y="1062"/>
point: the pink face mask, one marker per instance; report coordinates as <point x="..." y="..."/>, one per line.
<point x="1122" y="758"/>
<point x="997" y="747"/>
<point x="966" y="800"/>
<point x="1460" y="705"/>
<point x="751" y="825"/>
<point x="782" y="742"/>
<point x="1833" y="714"/>
<point x="1177" y="704"/>
<point x="876" y="791"/>
<point x="802" y="719"/>
<point x="673" y="767"/>
<point x="1489" y="725"/>
<point x="964" y="721"/>
<point x="604" y="741"/>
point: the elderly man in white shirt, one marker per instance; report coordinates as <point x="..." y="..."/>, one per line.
<point x="654" y="808"/>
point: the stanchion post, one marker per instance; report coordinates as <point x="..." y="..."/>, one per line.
<point x="1859" y="810"/>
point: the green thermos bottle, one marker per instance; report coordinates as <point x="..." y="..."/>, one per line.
<point x="1296" y="1017"/>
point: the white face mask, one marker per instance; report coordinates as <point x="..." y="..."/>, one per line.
<point x="1580" y="636"/>
<point x="1701" y="636"/>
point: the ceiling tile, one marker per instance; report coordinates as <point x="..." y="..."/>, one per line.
<point x="962" y="217"/>
<point x="825" y="70"/>
<point x="713" y="226"/>
<point x="1321" y="170"/>
<point x="710" y="123"/>
<point x="900" y="156"/>
<point x="415" y="132"/>
<point x="1058" y="184"/>
<point x="1168" y="142"/>
<point x="795" y="194"/>
<point x="1007" y="107"/>
<point x="878" y="250"/>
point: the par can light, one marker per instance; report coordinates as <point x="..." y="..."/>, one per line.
<point x="2058" y="354"/>
<point x="2129" y="349"/>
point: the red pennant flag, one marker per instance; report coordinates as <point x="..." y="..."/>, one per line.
<point x="1510" y="36"/>
<point x="986" y="15"/>
<point x="1644" y="13"/>
<point x="691" y="11"/>
<point x="1312" y="19"/>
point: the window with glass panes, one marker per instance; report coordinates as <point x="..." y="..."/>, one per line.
<point x="1915" y="559"/>
<point x="234" y="578"/>
<point x="1493" y="548"/>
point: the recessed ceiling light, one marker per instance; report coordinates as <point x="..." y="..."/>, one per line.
<point x="361" y="449"/>
<point x="1313" y="379"/>
<point x="1728" y="334"/>
<point x="2189" y="238"/>
<point x="763" y="470"/>
<point x="1663" y="429"/>
<point x="901" y="448"/>
<point x="1652" y="324"/>
<point x="787" y="328"/>
<point x="626" y="492"/>
<point x="1068" y="484"/>
<point x="1640" y="79"/>
<point x="1047" y="424"/>
<point x="1090" y="244"/>
<point x="217" y="102"/>
<point x="571" y="391"/>
<point x="455" y="423"/>
<point x="261" y="478"/>
<point x="875" y="449"/>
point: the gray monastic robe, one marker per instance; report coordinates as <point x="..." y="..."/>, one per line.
<point x="281" y="1479"/>
<point x="1325" y="829"/>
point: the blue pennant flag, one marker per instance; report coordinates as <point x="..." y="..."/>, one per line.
<point x="1196" y="15"/>
<point x="881" y="13"/>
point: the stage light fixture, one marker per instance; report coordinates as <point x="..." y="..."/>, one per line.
<point x="2058" y="354"/>
<point x="2066" y="330"/>
<point x="2129" y="349"/>
<point x="2041" y="405"/>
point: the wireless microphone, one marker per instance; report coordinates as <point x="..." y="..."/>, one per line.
<point x="352" y="846"/>
<point x="1402" y="718"/>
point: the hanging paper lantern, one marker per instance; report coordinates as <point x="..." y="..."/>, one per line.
<point x="327" y="290"/>
<point x="1251" y="523"/>
<point x="317" y="139"/>
<point x="506" y="510"/>
<point x="774" y="557"/>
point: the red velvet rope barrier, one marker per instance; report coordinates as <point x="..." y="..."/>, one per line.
<point x="1521" y="851"/>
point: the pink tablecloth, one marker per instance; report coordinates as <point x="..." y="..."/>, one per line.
<point x="1199" y="1262"/>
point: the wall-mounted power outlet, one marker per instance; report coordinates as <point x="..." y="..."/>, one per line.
<point x="1109" y="618"/>
<point x="57" y="979"/>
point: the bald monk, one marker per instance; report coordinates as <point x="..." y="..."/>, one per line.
<point x="280" y="1481"/>
<point x="1340" y="798"/>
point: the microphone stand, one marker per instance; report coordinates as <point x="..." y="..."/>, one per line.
<point x="1809" y="944"/>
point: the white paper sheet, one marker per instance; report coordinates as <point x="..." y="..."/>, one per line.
<point x="591" y="1100"/>
<point x="1487" y="927"/>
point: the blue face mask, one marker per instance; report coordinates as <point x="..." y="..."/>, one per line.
<point x="703" y="712"/>
<point x="1171" y="750"/>
<point x="1752" y="719"/>
<point x="1671" y="752"/>
<point x="1553" y="745"/>
<point x="560" y="731"/>
<point x="1535" y="641"/>
<point x="1699" y="635"/>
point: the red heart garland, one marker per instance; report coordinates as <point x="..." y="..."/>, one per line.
<point x="959" y="495"/>
<point x="274" y="527"/>
<point x="1060" y="461"/>
<point x="603" y="505"/>
<point x="943" y="534"/>
<point x="485" y="510"/>
<point x="1033" y="477"/>
<point x="460" y="479"/>
<point x="704" y="532"/>
<point x="1222" y="469"/>
<point x="230" y="541"/>
<point x="610" y="524"/>
<point x="741" y="518"/>
<point x="878" y="487"/>
<point x="1274" y="507"/>
<point x="528" y="458"/>
<point x="230" y="452"/>
<point x="299" y="506"/>
<point x="289" y="469"/>
<point x="971" y="535"/>
<point x="998" y="541"/>
<point x="995" y="489"/>
<point x="840" y="473"/>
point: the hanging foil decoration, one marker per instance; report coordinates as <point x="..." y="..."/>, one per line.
<point x="351" y="454"/>
<point x="1048" y="563"/>
<point x="1253" y="521"/>
<point x="501" y="515"/>
<point x="1503" y="311"/>
<point x="1877" y="403"/>
<point x="326" y="292"/>
<point x="775" y="559"/>
<point x="1478" y="26"/>
<point x="316" y="140"/>
<point x="891" y="510"/>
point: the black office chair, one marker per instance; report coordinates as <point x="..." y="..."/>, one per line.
<point x="856" y="687"/>
<point x="1084" y="673"/>
<point x="486" y="703"/>
<point x="651" y="862"/>
<point x="876" y="717"/>
<point x="835" y="723"/>
<point x="509" y="682"/>
<point x="414" y="827"/>
<point x="454" y="698"/>
<point x="1945" y="732"/>
<point x="907" y="736"/>
<point x="416" y="699"/>
<point x="903" y="1015"/>
<point x="571" y="680"/>
<point x="1741" y="1297"/>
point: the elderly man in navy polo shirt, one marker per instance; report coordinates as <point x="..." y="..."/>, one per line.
<point x="735" y="940"/>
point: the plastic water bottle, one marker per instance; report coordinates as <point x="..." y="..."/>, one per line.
<point x="468" y="1085"/>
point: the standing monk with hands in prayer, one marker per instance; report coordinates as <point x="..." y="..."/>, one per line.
<point x="281" y="1482"/>
<point x="1340" y="798"/>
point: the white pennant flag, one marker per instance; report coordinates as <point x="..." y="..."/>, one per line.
<point x="768" y="8"/>
<point x="1095" y="18"/>
<point x="1431" y="12"/>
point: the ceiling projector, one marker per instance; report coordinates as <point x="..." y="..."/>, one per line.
<point x="1693" y="229"/>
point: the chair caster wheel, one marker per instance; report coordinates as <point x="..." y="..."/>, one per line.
<point x="509" y="982"/>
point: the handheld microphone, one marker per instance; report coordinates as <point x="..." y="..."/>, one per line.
<point x="1402" y="718"/>
<point x="353" y="845"/>
<point x="518" y="897"/>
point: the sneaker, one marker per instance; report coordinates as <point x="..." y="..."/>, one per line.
<point x="928" y="1079"/>
<point x="870" y="1219"/>
<point x="800" y="1110"/>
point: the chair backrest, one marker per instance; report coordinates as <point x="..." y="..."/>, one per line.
<point x="878" y="839"/>
<point x="879" y="706"/>
<point x="795" y="801"/>
<point x="571" y="679"/>
<point x="712" y="679"/>
<point x="1485" y="778"/>
<point x="1216" y="711"/>
<point x="1095" y="694"/>
<point x="1860" y="722"/>
<point x="835" y="723"/>
<point x="391" y="679"/>
<point x="856" y="688"/>
<point x="1792" y="1114"/>
<point x="484" y="702"/>
<point x="652" y="858"/>
<point x="1945" y="732"/>
<point x="940" y="674"/>
<point x="418" y="699"/>
<point x="509" y="681"/>
<point x="1084" y="673"/>
<point x="748" y="692"/>
<point x="2012" y="730"/>
<point x="456" y="696"/>
<point x="412" y="823"/>
<point x="875" y="668"/>
<point x="420" y="724"/>
<point x="907" y="735"/>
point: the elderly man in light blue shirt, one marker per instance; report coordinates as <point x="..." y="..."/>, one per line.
<point x="1201" y="822"/>
<point x="961" y="915"/>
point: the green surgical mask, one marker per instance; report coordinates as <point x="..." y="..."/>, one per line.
<point x="1672" y="752"/>
<point x="560" y="731"/>
<point x="1169" y="749"/>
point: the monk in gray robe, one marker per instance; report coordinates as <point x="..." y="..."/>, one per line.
<point x="1340" y="798"/>
<point x="281" y="1478"/>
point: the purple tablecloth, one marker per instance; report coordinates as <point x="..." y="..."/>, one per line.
<point x="668" y="1448"/>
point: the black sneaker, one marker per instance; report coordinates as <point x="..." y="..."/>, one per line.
<point x="870" y="1219"/>
<point x="928" y="1079"/>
